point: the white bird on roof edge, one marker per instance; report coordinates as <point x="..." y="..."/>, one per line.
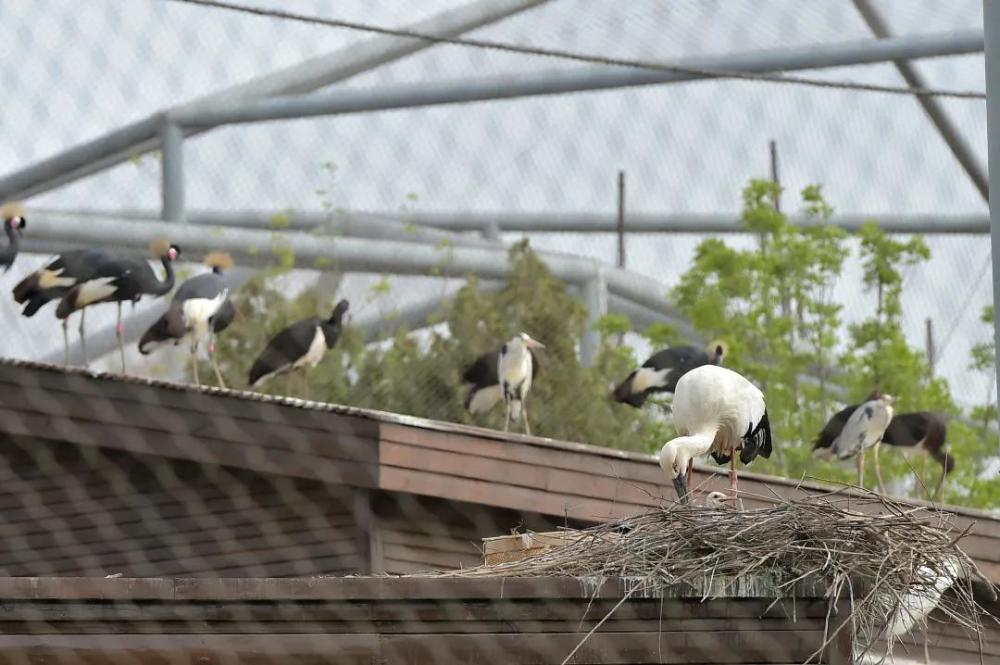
<point x="715" y="411"/>
<point x="514" y="369"/>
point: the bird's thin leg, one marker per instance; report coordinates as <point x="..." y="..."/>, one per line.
<point x="120" y="333"/>
<point x="878" y="470"/>
<point x="732" y="480"/>
<point x="305" y="382"/>
<point x="288" y="383"/>
<point x="65" y="327"/>
<point x="506" y="421"/>
<point x="83" y="339"/>
<point x="524" y="414"/>
<point x="194" y="363"/>
<point x="215" y="361"/>
<point x="861" y="468"/>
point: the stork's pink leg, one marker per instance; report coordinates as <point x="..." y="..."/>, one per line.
<point x="732" y="480"/>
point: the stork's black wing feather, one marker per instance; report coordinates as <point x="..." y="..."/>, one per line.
<point x="483" y="372"/>
<point x="834" y="427"/>
<point x="285" y="348"/>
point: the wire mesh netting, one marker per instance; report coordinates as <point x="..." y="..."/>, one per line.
<point x="387" y="456"/>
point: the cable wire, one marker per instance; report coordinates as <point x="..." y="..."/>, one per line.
<point x="583" y="57"/>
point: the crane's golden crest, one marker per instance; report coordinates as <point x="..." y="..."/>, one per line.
<point x="11" y="209"/>
<point x="220" y="260"/>
<point x="158" y="247"/>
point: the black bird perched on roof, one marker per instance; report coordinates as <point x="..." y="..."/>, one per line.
<point x="200" y="308"/>
<point x="122" y="279"/>
<point x="301" y="345"/>
<point x="484" y="392"/>
<point x="662" y="370"/>
<point x="920" y="431"/>
<point x="54" y="279"/>
<point x="14" y="224"/>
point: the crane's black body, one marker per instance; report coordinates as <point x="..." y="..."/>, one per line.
<point x="55" y="279"/>
<point x="14" y="227"/>
<point x="300" y="345"/>
<point x="485" y="381"/>
<point x="127" y="279"/>
<point x="661" y="371"/>
<point x="174" y="325"/>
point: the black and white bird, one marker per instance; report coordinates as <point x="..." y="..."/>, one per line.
<point x="662" y="371"/>
<point x="863" y="428"/>
<point x="484" y="390"/>
<point x="14" y="223"/>
<point x="921" y="432"/>
<point x="300" y="346"/>
<point x="515" y="370"/>
<point x="200" y="308"/>
<point x="122" y="279"/>
<point x="715" y="411"/>
<point x="54" y="279"/>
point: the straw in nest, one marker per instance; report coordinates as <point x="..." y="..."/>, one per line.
<point x="893" y="562"/>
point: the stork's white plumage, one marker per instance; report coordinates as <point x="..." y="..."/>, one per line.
<point x="514" y="369"/>
<point x="715" y="411"/>
<point x="718" y="501"/>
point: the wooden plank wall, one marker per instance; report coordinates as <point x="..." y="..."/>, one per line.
<point x="72" y="510"/>
<point x="420" y="533"/>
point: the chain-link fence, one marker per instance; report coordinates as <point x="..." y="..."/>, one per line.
<point x="409" y="196"/>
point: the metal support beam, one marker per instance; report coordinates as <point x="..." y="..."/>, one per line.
<point x="991" y="25"/>
<point x="172" y="172"/>
<point x="578" y="80"/>
<point x="142" y="136"/>
<point x="932" y="107"/>
<point x="595" y="298"/>
<point x="424" y="225"/>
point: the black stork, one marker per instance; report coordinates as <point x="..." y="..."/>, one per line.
<point x="662" y="371"/>
<point x="300" y="346"/>
<point x="201" y="307"/>
<point x="122" y="279"/>
<point x="922" y="432"/>
<point x="484" y="390"/>
<point x="14" y="223"/>
<point x="515" y="370"/>
<point x="54" y="279"/>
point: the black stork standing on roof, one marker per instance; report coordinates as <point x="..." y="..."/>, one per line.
<point x="300" y="346"/>
<point x="920" y="431"/>
<point x="662" y="371"/>
<point x="122" y="279"/>
<point x="14" y="223"/>
<point x="201" y="307"/>
<point x="484" y="390"/>
<point x="54" y="279"/>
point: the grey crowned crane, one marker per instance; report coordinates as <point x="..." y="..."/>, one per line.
<point x="920" y="432"/>
<point x="54" y="279"/>
<point x="662" y="371"/>
<point x="715" y="411"/>
<point x="515" y="370"/>
<point x="121" y="280"/>
<point x="14" y="224"/>
<point x="200" y="308"/>
<point x="484" y="391"/>
<point x="300" y="346"/>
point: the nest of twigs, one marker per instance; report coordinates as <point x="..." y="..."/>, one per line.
<point x="894" y="562"/>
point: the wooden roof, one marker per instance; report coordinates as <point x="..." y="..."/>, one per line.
<point x="366" y="620"/>
<point x="371" y="450"/>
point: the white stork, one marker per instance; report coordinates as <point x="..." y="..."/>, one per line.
<point x="718" y="501"/>
<point x="514" y="369"/>
<point x="715" y="411"/>
<point x="864" y="429"/>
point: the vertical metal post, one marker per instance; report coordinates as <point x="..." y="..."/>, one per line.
<point x="621" y="219"/>
<point x="595" y="297"/>
<point x="172" y="172"/>
<point x="491" y="231"/>
<point x="929" y="342"/>
<point x="774" y="173"/>
<point x="991" y="29"/>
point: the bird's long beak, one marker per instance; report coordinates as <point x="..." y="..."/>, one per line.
<point x="681" y="487"/>
<point x="534" y="343"/>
